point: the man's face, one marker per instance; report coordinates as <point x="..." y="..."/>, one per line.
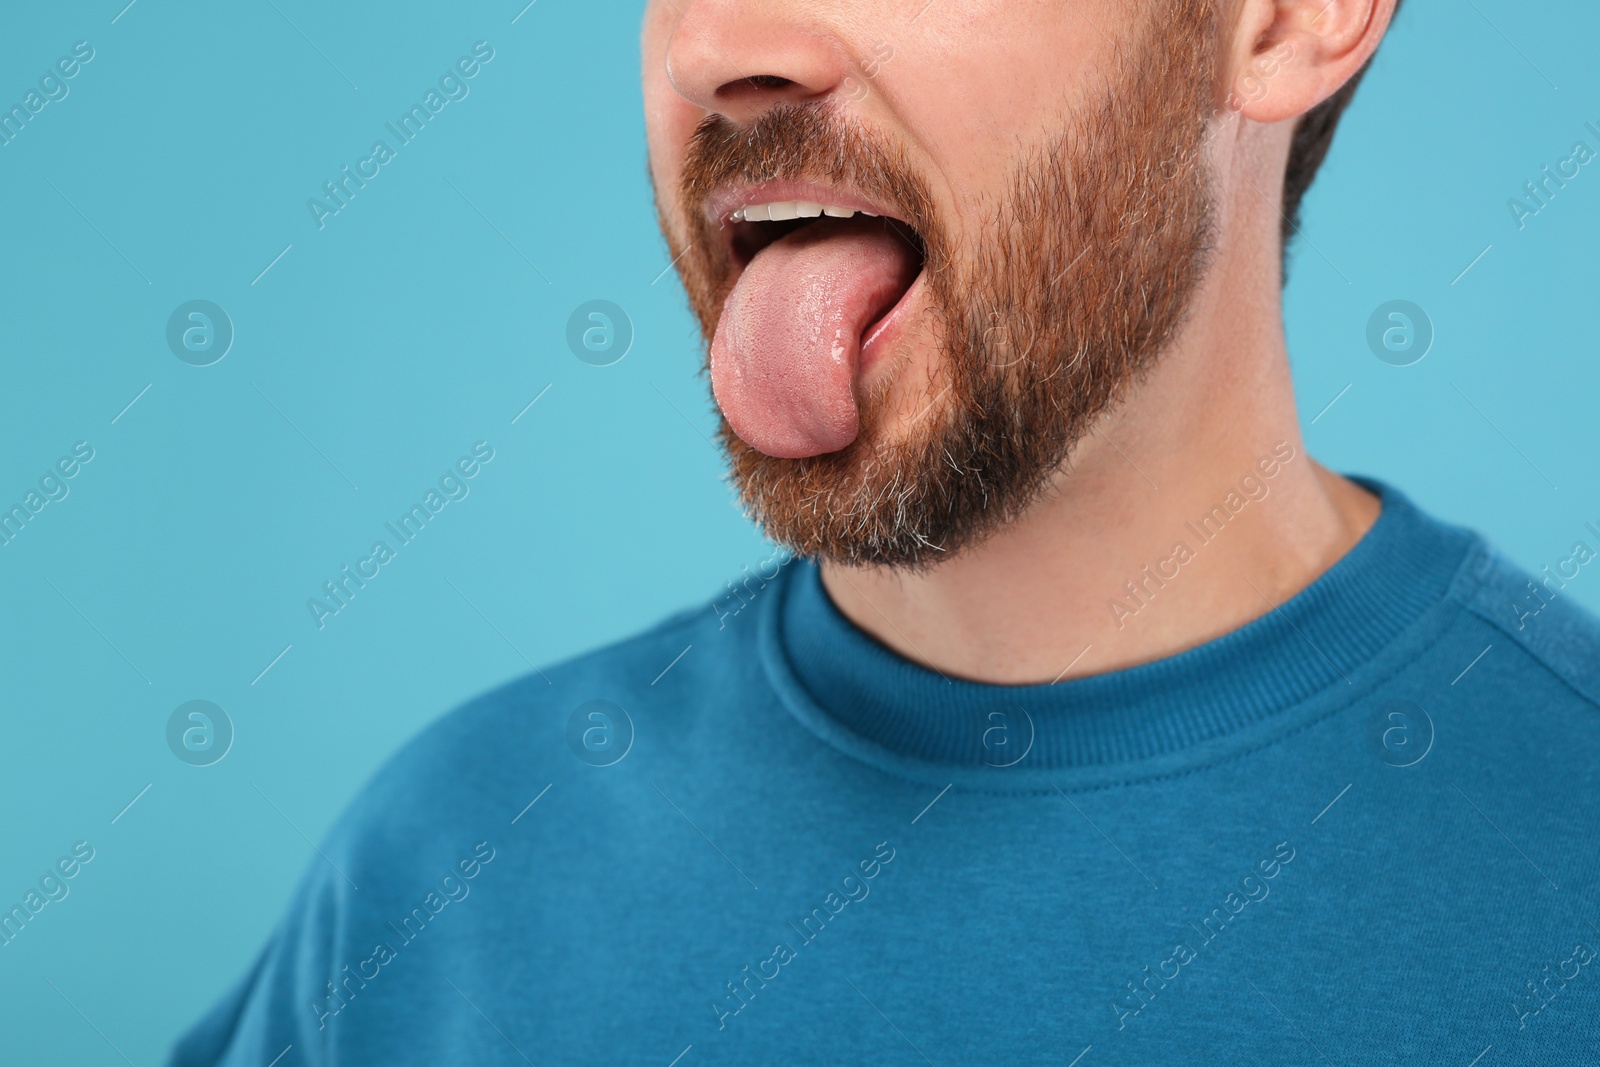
<point x="895" y="385"/>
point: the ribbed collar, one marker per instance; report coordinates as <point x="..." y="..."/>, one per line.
<point x="1158" y="717"/>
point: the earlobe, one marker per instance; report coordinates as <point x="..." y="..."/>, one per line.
<point x="1301" y="52"/>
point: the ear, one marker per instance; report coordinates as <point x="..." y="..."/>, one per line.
<point x="1288" y="56"/>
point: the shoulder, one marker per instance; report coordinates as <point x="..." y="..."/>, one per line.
<point x="667" y="670"/>
<point x="1539" y="613"/>
<point x="663" y="690"/>
<point x="453" y="813"/>
<point x="485" y="752"/>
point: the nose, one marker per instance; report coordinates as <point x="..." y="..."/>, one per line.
<point x="740" y="58"/>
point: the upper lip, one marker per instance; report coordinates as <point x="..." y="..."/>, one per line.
<point x="728" y="199"/>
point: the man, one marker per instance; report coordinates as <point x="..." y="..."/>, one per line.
<point x="1092" y="721"/>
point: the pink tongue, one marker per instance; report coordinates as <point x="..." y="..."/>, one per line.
<point x="784" y="359"/>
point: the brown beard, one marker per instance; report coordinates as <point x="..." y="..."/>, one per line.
<point x="1062" y="301"/>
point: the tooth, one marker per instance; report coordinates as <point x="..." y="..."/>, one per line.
<point x="737" y="216"/>
<point x="782" y="211"/>
<point x="864" y="211"/>
<point x="756" y="213"/>
<point x="805" y="209"/>
<point x="838" y="212"/>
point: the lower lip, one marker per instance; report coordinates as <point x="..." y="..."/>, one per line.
<point x="882" y="336"/>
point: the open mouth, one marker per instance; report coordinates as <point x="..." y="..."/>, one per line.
<point x="757" y="224"/>
<point x="821" y="281"/>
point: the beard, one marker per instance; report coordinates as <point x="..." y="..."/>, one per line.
<point x="1046" y="313"/>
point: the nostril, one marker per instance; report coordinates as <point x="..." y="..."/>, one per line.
<point x="756" y="82"/>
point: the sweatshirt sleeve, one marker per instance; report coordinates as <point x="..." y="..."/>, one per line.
<point x="281" y="1003"/>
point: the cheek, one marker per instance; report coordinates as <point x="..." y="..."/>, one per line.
<point x="664" y="109"/>
<point x="670" y="120"/>
<point x="668" y="141"/>
<point x="970" y="83"/>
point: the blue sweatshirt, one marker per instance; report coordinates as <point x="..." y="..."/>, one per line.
<point x="1360" y="829"/>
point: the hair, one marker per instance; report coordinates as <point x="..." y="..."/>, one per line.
<point x="1312" y="138"/>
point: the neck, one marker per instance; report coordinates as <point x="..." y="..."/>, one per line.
<point x="1137" y="556"/>
<point x="1187" y="512"/>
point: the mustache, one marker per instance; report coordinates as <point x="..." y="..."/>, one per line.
<point x="803" y="142"/>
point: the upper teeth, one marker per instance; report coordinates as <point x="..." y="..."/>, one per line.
<point x="782" y="210"/>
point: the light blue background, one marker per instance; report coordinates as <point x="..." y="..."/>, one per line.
<point x="412" y="326"/>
